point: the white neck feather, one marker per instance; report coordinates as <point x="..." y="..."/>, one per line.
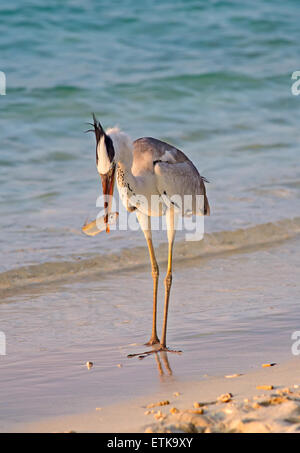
<point x="123" y="147"/>
<point x="103" y="159"/>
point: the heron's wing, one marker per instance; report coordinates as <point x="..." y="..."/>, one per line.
<point x="147" y="150"/>
<point x="175" y="174"/>
<point x="181" y="185"/>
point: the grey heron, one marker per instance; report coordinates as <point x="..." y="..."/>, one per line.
<point x="147" y="168"/>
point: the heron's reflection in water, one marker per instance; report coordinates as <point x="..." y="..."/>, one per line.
<point x="161" y="359"/>
<point x="164" y="361"/>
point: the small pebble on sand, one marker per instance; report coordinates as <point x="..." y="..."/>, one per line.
<point x="196" y="411"/>
<point x="159" y="415"/>
<point x="225" y="398"/>
<point x="256" y="406"/>
<point x="174" y="410"/>
<point x="230" y="376"/>
<point x="159" y="403"/>
<point x="264" y="387"/>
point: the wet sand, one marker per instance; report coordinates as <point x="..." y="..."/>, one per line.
<point x="228" y="314"/>
<point x="222" y="404"/>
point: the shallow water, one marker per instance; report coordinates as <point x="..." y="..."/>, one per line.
<point x="212" y="78"/>
<point x="227" y="314"/>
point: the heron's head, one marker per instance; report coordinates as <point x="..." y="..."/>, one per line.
<point x="112" y="146"/>
<point x="106" y="165"/>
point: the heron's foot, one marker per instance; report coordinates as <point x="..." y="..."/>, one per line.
<point x="153" y="340"/>
<point x="161" y="348"/>
<point x="165" y="349"/>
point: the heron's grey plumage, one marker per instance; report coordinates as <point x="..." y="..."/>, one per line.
<point x="174" y="173"/>
<point x="145" y="169"/>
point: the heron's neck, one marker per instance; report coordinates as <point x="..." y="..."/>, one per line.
<point x="124" y="155"/>
<point x="124" y="172"/>
<point x="125" y="159"/>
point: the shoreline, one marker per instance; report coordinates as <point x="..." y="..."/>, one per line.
<point x="197" y="407"/>
<point x="214" y="244"/>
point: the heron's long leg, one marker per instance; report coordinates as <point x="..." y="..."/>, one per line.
<point x="170" y="218"/>
<point x="145" y="223"/>
<point x="168" y="280"/>
<point x="155" y="274"/>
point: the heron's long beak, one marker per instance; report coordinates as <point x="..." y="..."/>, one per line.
<point x="108" y="182"/>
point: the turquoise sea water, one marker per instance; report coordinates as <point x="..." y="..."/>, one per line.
<point x="211" y="77"/>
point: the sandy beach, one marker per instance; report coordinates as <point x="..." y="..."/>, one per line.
<point x="264" y="400"/>
<point x="223" y="329"/>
